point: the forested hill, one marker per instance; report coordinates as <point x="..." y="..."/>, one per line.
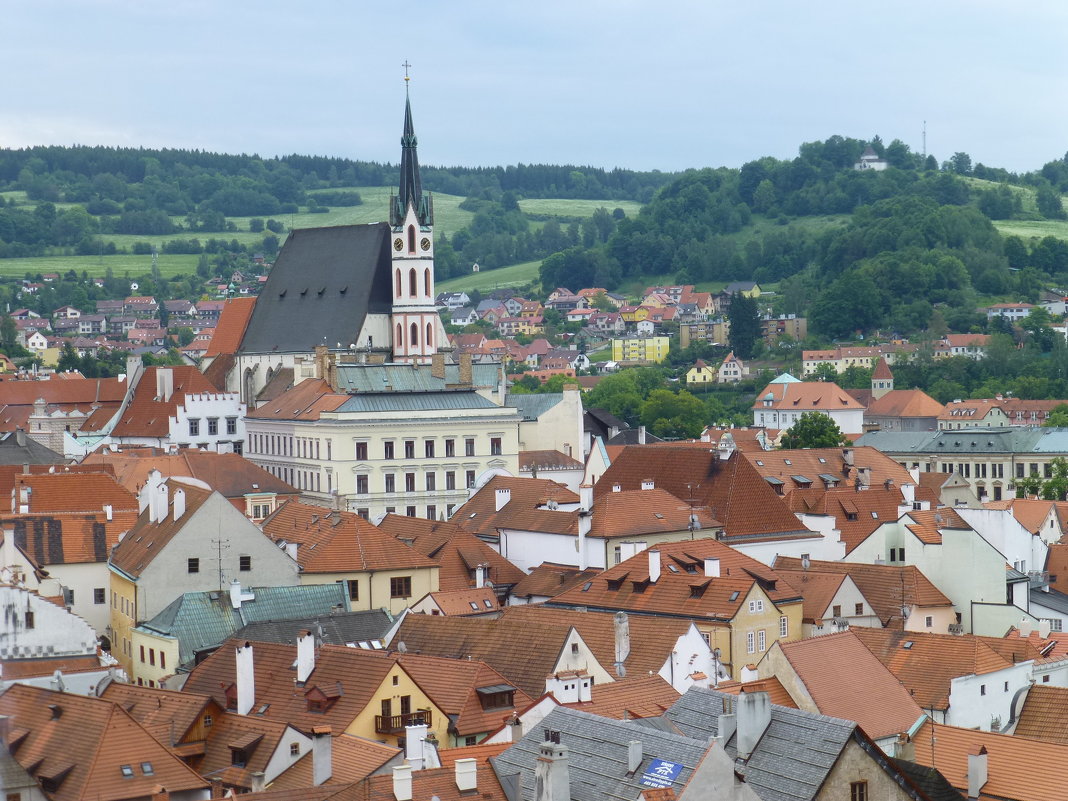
<point x="856" y="250"/>
<point x="82" y="174"/>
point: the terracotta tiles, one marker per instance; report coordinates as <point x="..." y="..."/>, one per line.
<point x="524" y="510"/>
<point x="304" y="402"/>
<point x="1044" y="715"/>
<point x="353" y="759"/>
<point x="85" y="746"/>
<point x="457" y="551"/>
<point x="549" y="579"/>
<point x="258" y="737"/>
<point x="1017" y="768"/>
<point x="82" y="538"/>
<point x="772" y="686"/>
<point x="683" y="589"/>
<point x="845" y="680"/>
<point x="332" y="541"/>
<point x="885" y="587"/>
<point x="146" y="539"/>
<point x="818" y="589"/>
<point x="149" y="415"/>
<point x="635" y="513"/>
<point x="626" y="699"/>
<point x="467" y="601"/>
<point x="72" y="492"/>
<point x="437" y="783"/>
<point x="231" y="326"/>
<point x="814" y="463"/>
<point x="168" y="715"/>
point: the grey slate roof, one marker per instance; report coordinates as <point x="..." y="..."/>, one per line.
<point x="17" y="447"/>
<point x="1055" y="600"/>
<point x="417" y="402"/>
<point x="534" y="405"/>
<point x="336" y="629"/>
<point x="323" y="285"/>
<point x="971" y="441"/>
<point x="200" y="620"/>
<point x="792" y="759"/>
<point x="929" y="780"/>
<point x="597" y="755"/>
<point x="405" y="378"/>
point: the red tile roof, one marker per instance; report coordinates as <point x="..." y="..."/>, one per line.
<point x="627" y="699"/>
<point x="845" y="680"/>
<point x="73" y="492"/>
<point x="82" y="538"/>
<point x="83" y="745"/>
<point x="337" y="542"/>
<point x="231" y="326"/>
<point x="549" y="579"/>
<point x="304" y="402"/>
<point x="467" y="601"/>
<point x="526" y="508"/>
<point x="149" y="415"/>
<point x="1044" y="714"/>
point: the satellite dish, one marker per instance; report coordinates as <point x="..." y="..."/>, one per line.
<point x="806" y="562"/>
<point x="402" y="647"/>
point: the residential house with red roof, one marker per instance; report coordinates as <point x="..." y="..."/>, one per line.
<point x="76" y="747"/>
<point x="187" y="538"/>
<point x="741" y="605"/>
<point x="367" y="693"/>
<point x="330" y="546"/>
<point x="782" y="402"/>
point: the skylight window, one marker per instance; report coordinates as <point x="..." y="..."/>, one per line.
<point x="734" y="595"/>
<point x="127" y="771"/>
<point x="586" y="586"/>
<point x="474" y="606"/>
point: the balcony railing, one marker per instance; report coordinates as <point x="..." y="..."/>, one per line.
<point x="391" y="724"/>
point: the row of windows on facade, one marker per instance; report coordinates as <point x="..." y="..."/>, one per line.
<point x="309" y="448"/>
<point x="430" y="482"/>
<point x="413" y="283"/>
<point x="411" y="511"/>
<point x="399" y="587"/>
<point x="213" y="426"/>
<point x="244" y="564"/>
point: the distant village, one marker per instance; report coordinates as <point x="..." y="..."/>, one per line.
<point x="334" y="554"/>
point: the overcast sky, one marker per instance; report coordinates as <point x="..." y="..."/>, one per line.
<point x="629" y="83"/>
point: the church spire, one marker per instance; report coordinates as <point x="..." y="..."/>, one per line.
<point x="411" y="188"/>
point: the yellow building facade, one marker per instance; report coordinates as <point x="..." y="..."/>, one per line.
<point x="640" y="349"/>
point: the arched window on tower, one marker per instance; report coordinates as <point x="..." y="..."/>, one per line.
<point x="412" y="281"/>
<point x="415" y="335"/>
<point x="429" y="341"/>
<point x="399" y="344"/>
<point x="411" y="239"/>
<point x="426" y="282"/>
<point x="398" y="282"/>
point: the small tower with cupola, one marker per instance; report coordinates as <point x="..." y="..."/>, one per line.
<point x="416" y="326"/>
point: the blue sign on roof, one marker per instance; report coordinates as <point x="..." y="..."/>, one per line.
<point x="660" y="773"/>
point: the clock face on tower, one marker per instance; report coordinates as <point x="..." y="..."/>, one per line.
<point x="424" y="243"/>
<point x="398" y="244"/>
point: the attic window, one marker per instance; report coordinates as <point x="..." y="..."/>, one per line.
<point x="146" y="768"/>
<point x="672" y="568"/>
<point x="822" y="460"/>
<point x="759" y="463"/>
<point x="586" y="586"/>
<point x="787" y="461"/>
<point x="874" y="515"/>
<point x="734" y="596"/>
<point x="474" y="606"/>
<point x="488" y="603"/>
<point x="907" y="645"/>
<point x="127" y="771"/>
<point x="658" y="516"/>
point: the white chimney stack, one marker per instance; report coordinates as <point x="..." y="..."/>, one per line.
<point x="585" y="497"/>
<point x="552" y="774"/>
<point x="1026" y="627"/>
<point x="402" y="782"/>
<point x="109" y="512"/>
<point x="1043" y="628"/>
<point x="634" y="755"/>
<point x="908" y="494"/>
<point x="654" y="565"/>
<point x="235" y="594"/>
<point x="414" y="737"/>
<point x="480" y="575"/>
<point x="179" y="503"/>
<point x="322" y="755"/>
<point x="246" y="679"/>
<point x="502" y="496"/>
<point x="164" y="383"/>
<point x="977" y="772"/>
<point x="712" y="568"/>
<point x="305" y="655"/>
<point x="754" y="715"/>
<point x="162" y="502"/>
<point x="466" y="775"/>
<point x="621" y="624"/>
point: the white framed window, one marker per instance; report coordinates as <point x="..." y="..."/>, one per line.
<point x="762" y="640"/>
<point x="784" y="626"/>
<point x="750" y="642"/>
<point x="756" y="606"/>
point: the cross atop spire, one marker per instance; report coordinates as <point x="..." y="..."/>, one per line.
<point x="407" y="78"/>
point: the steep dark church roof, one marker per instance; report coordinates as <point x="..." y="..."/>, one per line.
<point x="322" y="287"/>
<point x="411" y="188"/>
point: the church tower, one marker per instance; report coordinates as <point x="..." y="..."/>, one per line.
<point x="416" y="326"/>
<point x="882" y="380"/>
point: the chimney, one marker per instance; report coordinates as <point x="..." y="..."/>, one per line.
<point x="904" y="748"/>
<point x="414" y="737"/>
<point x="908" y="494"/>
<point x="466" y="775"/>
<point x="305" y="655"/>
<point x="164" y="383"/>
<point x="322" y="755"/>
<point x="864" y="475"/>
<point x="437" y="366"/>
<point x="749" y="673"/>
<point x="402" y="782"/>
<point x="977" y="772"/>
<point x="465" y="370"/>
<point x="246" y="679"/>
<point x="552" y="776"/>
<point x="515" y="729"/>
<point x="1043" y="628"/>
<point x="727" y="724"/>
<point x="480" y="575"/>
<point x="235" y="594"/>
<point x="621" y="625"/>
<point x="217" y="790"/>
<point x="754" y="715"/>
<point x="178" y="503"/>
<point x="847" y="456"/>
<point x="1026" y="627"/>
<point x="162" y="501"/>
<point x="20" y="437"/>
<point x="257" y="781"/>
<point x="641" y="435"/>
<point x="501" y="498"/>
<point x="585" y="497"/>
<point x="648" y="484"/>
<point x="654" y="565"/>
<point x="712" y="568"/>
<point x="109" y="512"/>
<point x="159" y="793"/>
<point x="634" y="755"/>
